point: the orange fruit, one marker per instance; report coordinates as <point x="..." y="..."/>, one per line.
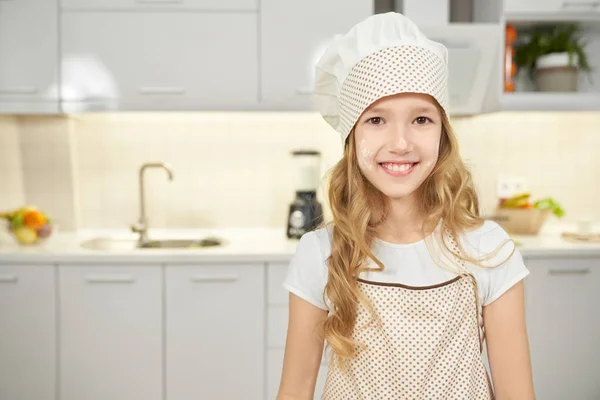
<point x="511" y="34"/>
<point x="509" y="86"/>
<point x="34" y="220"/>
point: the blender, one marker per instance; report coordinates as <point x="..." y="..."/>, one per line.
<point x="305" y="212"/>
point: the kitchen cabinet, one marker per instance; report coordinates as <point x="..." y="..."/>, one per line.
<point x="550" y="6"/>
<point x="205" y="5"/>
<point x="294" y="35"/>
<point x="277" y="322"/>
<point x="27" y="332"/>
<point x="564" y="327"/>
<point x="111" y="332"/>
<point x="215" y="320"/>
<point x="159" y="61"/>
<point x="29" y="54"/>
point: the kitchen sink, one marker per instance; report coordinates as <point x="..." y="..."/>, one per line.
<point x="104" y="243"/>
<point x="181" y="243"/>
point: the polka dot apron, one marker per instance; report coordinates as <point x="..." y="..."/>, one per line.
<point x="423" y="343"/>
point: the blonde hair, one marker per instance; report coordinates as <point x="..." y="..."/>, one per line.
<point x="447" y="196"/>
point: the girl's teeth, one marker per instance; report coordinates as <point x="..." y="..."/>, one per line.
<point x="397" y="167"/>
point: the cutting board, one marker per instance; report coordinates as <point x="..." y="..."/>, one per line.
<point x="581" y="237"/>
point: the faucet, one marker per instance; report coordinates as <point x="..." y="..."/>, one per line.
<point x="141" y="226"/>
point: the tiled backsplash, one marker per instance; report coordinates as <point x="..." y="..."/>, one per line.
<point x="41" y="166"/>
<point x="234" y="169"/>
<point x="12" y="193"/>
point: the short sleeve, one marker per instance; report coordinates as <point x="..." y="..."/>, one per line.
<point x="503" y="270"/>
<point x="307" y="272"/>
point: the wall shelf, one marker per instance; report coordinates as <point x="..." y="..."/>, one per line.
<point x="541" y="101"/>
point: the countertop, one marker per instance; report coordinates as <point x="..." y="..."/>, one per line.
<point x="244" y="245"/>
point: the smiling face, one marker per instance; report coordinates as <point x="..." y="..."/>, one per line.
<point x="397" y="142"/>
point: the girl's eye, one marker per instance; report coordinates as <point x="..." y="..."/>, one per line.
<point x="375" y="121"/>
<point x="422" y="120"/>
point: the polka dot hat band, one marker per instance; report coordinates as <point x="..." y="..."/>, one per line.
<point x="383" y="55"/>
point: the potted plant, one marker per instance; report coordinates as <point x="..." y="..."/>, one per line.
<point x="553" y="55"/>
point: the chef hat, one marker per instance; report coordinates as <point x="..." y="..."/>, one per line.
<point x="383" y="55"/>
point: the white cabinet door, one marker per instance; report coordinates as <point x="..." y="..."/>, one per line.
<point x="204" y="5"/>
<point x="277" y="322"/>
<point x="549" y="6"/>
<point x="110" y="332"/>
<point x="159" y="61"/>
<point x="215" y="332"/>
<point x="28" y="52"/>
<point x="563" y="324"/>
<point x="27" y="332"/>
<point x="294" y="34"/>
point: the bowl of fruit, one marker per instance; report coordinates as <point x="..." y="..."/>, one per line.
<point x="520" y="215"/>
<point x="28" y="225"/>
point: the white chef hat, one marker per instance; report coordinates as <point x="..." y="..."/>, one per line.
<point x="383" y="55"/>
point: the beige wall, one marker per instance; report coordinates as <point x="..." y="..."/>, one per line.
<point x="234" y="169"/>
<point x="11" y="182"/>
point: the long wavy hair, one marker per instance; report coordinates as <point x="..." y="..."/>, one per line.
<point x="447" y="196"/>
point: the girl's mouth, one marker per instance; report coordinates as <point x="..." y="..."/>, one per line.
<point x="398" y="169"/>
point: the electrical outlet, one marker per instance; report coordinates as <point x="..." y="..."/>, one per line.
<point x="509" y="186"/>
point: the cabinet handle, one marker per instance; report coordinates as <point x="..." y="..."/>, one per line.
<point x="19" y="89"/>
<point x="159" y="1"/>
<point x="162" y="90"/>
<point x="582" y="271"/>
<point x="580" y="4"/>
<point x="215" y="278"/>
<point x="109" y="279"/>
<point x="8" y="278"/>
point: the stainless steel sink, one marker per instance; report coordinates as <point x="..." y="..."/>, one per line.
<point x="181" y="243"/>
<point x="115" y="244"/>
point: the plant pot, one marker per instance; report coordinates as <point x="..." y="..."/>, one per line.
<point x="556" y="73"/>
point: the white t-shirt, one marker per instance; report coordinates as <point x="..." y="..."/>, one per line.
<point x="409" y="264"/>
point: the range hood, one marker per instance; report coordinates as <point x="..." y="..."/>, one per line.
<point x="474" y="61"/>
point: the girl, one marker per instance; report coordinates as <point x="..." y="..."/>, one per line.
<point x="407" y="278"/>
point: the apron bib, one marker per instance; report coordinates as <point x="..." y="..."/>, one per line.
<point x="423" y="343"/>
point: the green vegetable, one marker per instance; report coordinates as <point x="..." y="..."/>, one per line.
<point x="549" y="204"/>
<point x="17" y="221"/>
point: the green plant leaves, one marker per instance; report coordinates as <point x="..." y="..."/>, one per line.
<point x="546" y="39"/>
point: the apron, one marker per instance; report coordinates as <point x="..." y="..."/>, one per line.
<point x="423" y="343"/>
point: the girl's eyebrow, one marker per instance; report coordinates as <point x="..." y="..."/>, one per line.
<point x="376" y="110"/>
<point x="425" y="109"/>
<point x="419" y="109"/>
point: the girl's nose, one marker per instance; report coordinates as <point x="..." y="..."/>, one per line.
<point x="399" y="142"/>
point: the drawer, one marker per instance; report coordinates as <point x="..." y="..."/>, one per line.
<point x="215" y="330"/>
<point x="277" y="294"/>
<point x="110" y="321"/>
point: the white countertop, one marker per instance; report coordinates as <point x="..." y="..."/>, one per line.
<point x="241" y="245"/>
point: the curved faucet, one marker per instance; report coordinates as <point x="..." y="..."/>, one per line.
<point x="141" y="226"/>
